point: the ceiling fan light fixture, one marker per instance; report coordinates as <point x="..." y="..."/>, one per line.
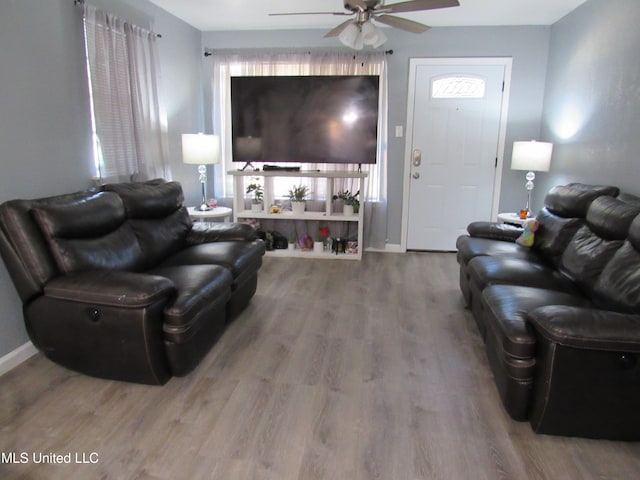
<point x="382" y="39"/>
<point x="369" y="33"/>
<point x="359" y="44"/>
<point x="350" y="35"/>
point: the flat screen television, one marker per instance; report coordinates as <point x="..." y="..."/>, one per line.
<point x="305" y="119"/>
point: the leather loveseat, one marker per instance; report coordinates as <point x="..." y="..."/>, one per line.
<point x="120" y="284"/>
<point x="561" y="320"/>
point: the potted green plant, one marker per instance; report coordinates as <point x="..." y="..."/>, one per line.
<point x="258" y="195"/>
<point x="298" y="197"/>
<point x="350" y="201"/>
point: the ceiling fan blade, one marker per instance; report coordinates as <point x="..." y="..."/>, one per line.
<point x="308" y="13"/>
<point x="402" y="23"/>
<point x="416" y="5"/>
<point x="338" y="30"/>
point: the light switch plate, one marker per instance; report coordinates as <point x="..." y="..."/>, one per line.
<point x="398" y="131"/>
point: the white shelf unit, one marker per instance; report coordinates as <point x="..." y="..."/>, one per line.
<point x="328" y="215"/>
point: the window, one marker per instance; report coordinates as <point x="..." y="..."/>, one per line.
<point x="226" y="65"/>
<point x="128" y="120"/>
<point x="458" y="87"/>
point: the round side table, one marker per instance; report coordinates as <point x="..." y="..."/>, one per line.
<point x="218" y="212"/>
<point x="512" y="218"/>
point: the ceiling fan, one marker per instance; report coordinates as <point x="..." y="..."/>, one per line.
<point x="359" y="30"/>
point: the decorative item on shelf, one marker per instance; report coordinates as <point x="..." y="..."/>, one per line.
<point x="338" y="245"/>
<point x="321" y="239"/>
<point x="323" y="233"/>
<point x="275" y="209"/>
<point x="292" y="240"/>
<point x="350" y="201"/>
<point x="305" y="242"/>
<point x="212" y="202"/>
<point x="258" y="194"/>
<point x="531" y="156"/>
<point x="201" y="150"/>
<point x="298" y="197"/>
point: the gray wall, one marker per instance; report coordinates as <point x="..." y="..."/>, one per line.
<point x="592" y="96"/>
<point x="528" y="46"/>
<point x="44" y="119"/>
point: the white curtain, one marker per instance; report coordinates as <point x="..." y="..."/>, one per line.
<point x="129" y="121"/>
<point x="260" y="63"/>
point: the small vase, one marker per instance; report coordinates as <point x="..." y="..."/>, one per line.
<point x="256" y="207"/>
<point x="298" y="207"/>
<point x="348" y="210"/>
<point x="318" y="247"/>
<point x="291" y="246"/>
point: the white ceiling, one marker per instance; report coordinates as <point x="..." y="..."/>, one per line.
<point x="209" y="15"/>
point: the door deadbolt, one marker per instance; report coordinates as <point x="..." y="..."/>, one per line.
<point x="416" y="175"/>
<point x="417" y="157"/>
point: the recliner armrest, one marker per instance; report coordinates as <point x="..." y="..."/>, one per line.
<point x="112" y="288"/>
<point x="587" y="328"/>
<point x="205" y="232"/>
<point x="494" y="231"/>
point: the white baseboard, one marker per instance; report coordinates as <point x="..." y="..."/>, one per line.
<point x="12" y="359"/>
<point x="389" y="248"/>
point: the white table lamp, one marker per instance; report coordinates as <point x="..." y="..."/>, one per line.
<point x="202" y="150"/>
<point x="534" y="157"/>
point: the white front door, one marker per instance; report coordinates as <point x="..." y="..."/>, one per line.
<point x="454" y="124"/>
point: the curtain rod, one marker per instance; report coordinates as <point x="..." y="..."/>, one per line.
<point x="209" y="52"/>
<point x="82" y="2"/>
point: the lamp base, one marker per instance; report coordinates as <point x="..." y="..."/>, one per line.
<point x="203" y="208"/>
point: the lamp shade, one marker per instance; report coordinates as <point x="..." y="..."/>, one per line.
<point x="199" y="149"/>
<point x="382" y="39"/>
<point x="532" y="156"/>
<point x="351" y="37"/>
<point x="369" y="33"/>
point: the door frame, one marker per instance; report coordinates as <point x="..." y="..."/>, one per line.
<point x="406" y="187"/>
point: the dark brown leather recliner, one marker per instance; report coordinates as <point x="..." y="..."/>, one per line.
<point x="562" y="330"/>
<point x="119" y="283"/>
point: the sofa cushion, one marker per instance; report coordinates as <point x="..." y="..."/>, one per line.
<point x="565" y="208"/>
<point x="591" y="248"/>
<point x="198" y="287"/>
<point x="90" y="234"/>
<point x="148" y="199"/>
<point x="506" y="308"/>
<point x="554" y="234"/>
<point x="471" y="247"/>
<point x="161" y="237"/>
<point x="488" y="270"/>
<point x="629" y="198"/>
<point x="611" y="218"/>
<point x="618" y="287"/>
<point x="239" y="257"/>
<point x="574" y="199"/>
<point x="24" y="247"/>
<point x="88" y="217"/>
<point x="156" y="215"/>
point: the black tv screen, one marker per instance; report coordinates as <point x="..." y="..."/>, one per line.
<point x="305" y="119"/>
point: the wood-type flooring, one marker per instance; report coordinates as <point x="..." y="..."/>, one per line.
<point x="337" y="370"/>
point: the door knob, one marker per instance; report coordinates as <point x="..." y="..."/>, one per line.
<point x="416" y="175"/>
